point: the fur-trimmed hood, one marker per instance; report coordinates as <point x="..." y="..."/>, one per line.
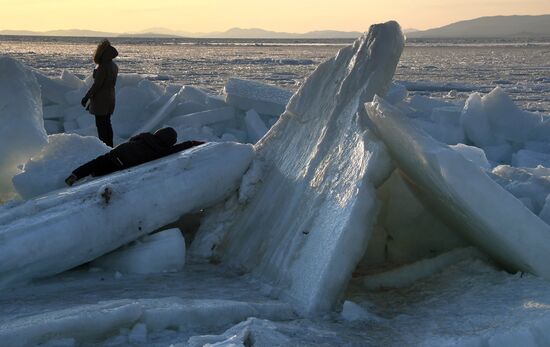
<point x="105" y="52"/>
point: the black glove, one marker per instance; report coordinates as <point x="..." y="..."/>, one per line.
<point x="84" y="101"/>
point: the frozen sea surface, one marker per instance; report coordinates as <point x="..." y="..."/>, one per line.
<point x="468" y="304"/>
<point x="432" y="68"/>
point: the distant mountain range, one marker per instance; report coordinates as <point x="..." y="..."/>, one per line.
<point x="491" y="27"/>
<point x="484" y="27"/>
<point x="234" y="33"/>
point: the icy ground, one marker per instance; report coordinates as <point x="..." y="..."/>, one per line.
<point x="321" y="242"/>
<point x="470" y="303"/>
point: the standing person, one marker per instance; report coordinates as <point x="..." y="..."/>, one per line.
<point x="102" y="93"/>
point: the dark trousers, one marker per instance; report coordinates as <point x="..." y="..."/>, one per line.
<point x="104" y="129"/>
<point x="102" y="165"/>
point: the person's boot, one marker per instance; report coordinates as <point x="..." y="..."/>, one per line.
<point x="71" y="180"/>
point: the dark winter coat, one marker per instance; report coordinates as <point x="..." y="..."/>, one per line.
<point x="102" y="92"/>
<point x="147" y="147"/>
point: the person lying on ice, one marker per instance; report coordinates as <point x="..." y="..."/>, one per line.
<point x="139" y="149"/>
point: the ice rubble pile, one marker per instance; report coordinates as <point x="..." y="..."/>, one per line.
<point x="243" y="114"/>
<point x="297" y="246"/>
<point x="45" y="236"/>
<point x="462" y="195"/>
<point x="39" y="163"/>
<point x="306" y="226"/>
<point x="510" y="144"/>
<point x="321" y="197"/>
<point x="143" y="105"/>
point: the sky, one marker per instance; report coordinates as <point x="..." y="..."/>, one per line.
<point x="277" y="15"/>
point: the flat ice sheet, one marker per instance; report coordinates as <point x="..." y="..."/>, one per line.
<point x="96" y="308"/>
<point x="463" y="195"/>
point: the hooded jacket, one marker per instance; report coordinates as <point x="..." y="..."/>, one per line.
<point x="102" y="92"/>
<point x="146" y="147"/>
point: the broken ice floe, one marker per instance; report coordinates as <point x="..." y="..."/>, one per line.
<point x="263" y="98"/>
<point x="160" y="252"/>
<point x="45" y="236"/>
<point x="22" y="131"/>
<point x="463" y="195"/>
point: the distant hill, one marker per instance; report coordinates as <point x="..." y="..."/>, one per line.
<point x="153" y="35"/>
<point x="20" y="33"/>
<point x="484" y="27"/>
<point x="256" y="33"/>
<point x="70" y="32"/>
<point x="234" y="33"/>
<point x="79" y="32"/>
<point x="491" y="27"/>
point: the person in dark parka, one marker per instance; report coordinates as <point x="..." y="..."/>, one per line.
<point x="102" y="93"/>
<point x="139" y="149"/>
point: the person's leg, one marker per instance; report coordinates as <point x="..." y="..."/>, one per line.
<point x="104" y="129"/>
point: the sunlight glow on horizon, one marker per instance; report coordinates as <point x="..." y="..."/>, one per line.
<point x="282" y="15"/>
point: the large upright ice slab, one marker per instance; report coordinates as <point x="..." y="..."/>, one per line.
<point x="22" y="132"/>
<point x="307" y="226"/>
<point x="52" y="234"/>
<point x="261" y="97"/>
<point x="463" y="195"/>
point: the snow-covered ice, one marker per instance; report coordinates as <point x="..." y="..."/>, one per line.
<point x="47" y="170"/>
<point x="22" y="132"/>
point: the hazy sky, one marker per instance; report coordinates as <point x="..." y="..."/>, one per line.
<point x="277" y="15"/>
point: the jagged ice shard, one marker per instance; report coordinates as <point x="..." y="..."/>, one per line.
<point x="66" y="228"/>
<point x="463" y="195"/>
<point x="308" y="224"/>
